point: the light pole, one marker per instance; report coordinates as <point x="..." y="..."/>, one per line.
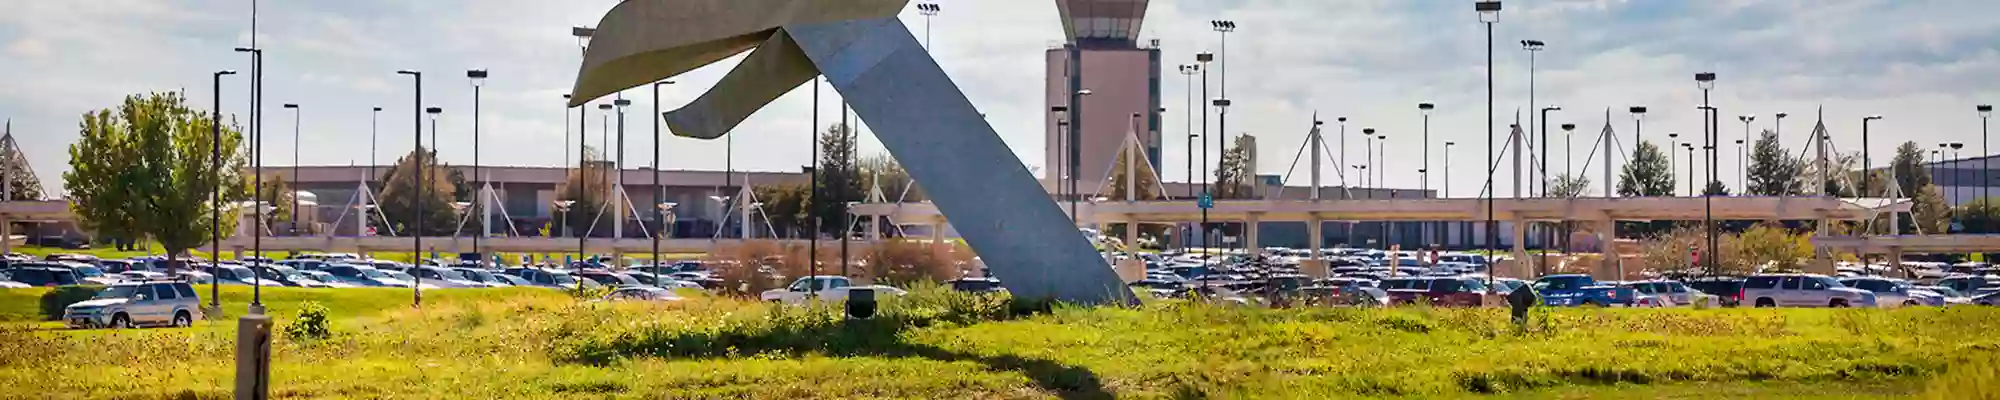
<point x="1076" y="150"/>
<point x="1706" y="81"/>
<point x="215" y="191"/>
<point x="1201" y="65"/>
<point x="1059" y="173"/>
<point x="928" y="10"/>
<point x="478" y="78"/>
<point x="1368" y="155"/>
<point x="1985" y="154"/>
<point x="1568" y="131"/>
<point x="1673" y="140"/>
<point x="1381" y="157"/>
<point x="257" y="165"/>
<point x="1447" y="187"/>
<point x="374" y="118"/>
<point x="1489" y="14"/>
<point x="1533" y="47"/>
<point x="1867" y="167"/>
<point x="1638" y="124"/>
<point x="293" y="219"/>
<point x="660" y="192"/>
<point x="417" y="151"/>
<point x="1423" y="174"/>
<point x="1955" y="146"/>
<point x="1743" y="157"/>
<point x="1778" y="127"/>
<point x="1542" y="164"/>
<point x="583" y="36"/>
<point x="1690" y="165"/>
<point x="1187" y="72"/>
<point x="1223" y="28"/>
<point x="1221" y="133"/>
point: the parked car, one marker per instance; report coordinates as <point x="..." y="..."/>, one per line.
<point x="483" y="277"/>
<point x="666" y="281"/>
<point x="303" y="264"/>
<point x="327" y="279"/>
<point x="90" y="274"/>
<point x="143" y="276"/>
<point x="823" y="288"/>
<point x="1989" y="299"/>
<point x="642" y="293"/>
<point x="131" y="304"/>
<point x="1951" y="297"/>
<point x="976" y="285"/>
<point x="1972" y="284"/>
<point x="549" y="278"/>
<point x="364" y="276"/>
<point x="229" y="274"/>
<point x="511" y="280"/>
<point x="1803" y="290"/>
<point x="43" y="274"/>
<point x="1437" y="291"/>
<point x="1671" y="293"/>
<point x="1728" y="291"/>
<point x="607" y="278"/>
<point x="443" y="277"/>
<point x="1572" y="290"/>
<point x="1895" y="292"/>
<point x="283" y="275"/>
<point x="405" y="276"/>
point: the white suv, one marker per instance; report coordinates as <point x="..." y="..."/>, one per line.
<point x="132" y="304"/>
<point x="1803" y="290"/>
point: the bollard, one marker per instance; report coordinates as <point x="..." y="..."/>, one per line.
<point x="253" y="357"/>
<point x="860" y="303"/>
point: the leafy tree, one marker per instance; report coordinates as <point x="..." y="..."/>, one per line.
<point x="400" y="196"/>
<point x="1980" y="215"/>
<point x="1773" y="244"/>
<point x="1773" y="171"/>
<point x="1908" y="167"/>
<point x="1568" y="186"/>
<point x="1232" y="174"/>
<point x="587" y="187"/>
<point x="146" y="169"/>
<point x="839" y="179"/>
<point x="882" y="170"/>
<point x="1932" y="214"/>
<point x="1647" y="175"/>
<point x="785" y="206"/>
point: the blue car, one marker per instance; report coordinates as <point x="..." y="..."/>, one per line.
<point x="1582" y="291"/>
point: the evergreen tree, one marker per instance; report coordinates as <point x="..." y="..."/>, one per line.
<point x="1773" y="171"/>
<point x="1908" y="167"/>
<point x="1647" y="175"/>
<point x="839" y="179"/>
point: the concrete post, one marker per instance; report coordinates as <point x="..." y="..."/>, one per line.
<point x="1895" y="262"/>
<point x="1315" y="266"/>
<point x="937" y="235"/>
<point x="1250" y="233"/>
<point x="1132" y="235"/>
<point x="6" y="233"/>
<point x="1520" y="231"/>
<point x="1613" y="264"/>
<point x="253" y="357"/>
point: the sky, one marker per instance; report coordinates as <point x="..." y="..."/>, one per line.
<point x="1921" y="64"/>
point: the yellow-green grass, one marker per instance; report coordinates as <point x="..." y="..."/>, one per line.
<point x="541" y="344"/>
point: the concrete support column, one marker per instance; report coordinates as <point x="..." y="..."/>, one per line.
<point x="1131" y="234"/>
<point x="1250" y="233"/>
<point x="1896" y="262"/>
<point x="6" y="234"/>
<point x="875" y="227"/>
<point x="937" y="235"/>
<point x="1613" y="266"/>
<point x="1315" y="266"/>
<point x="1520" y="231"/>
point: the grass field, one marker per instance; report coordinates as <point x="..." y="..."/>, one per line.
<point x="529" y="343"/>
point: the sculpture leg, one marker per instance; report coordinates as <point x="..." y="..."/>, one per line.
<point x="926" y="122"/>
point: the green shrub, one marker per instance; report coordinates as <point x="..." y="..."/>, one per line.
<point x="311" y="324"/>
<point x="54" y="301"/>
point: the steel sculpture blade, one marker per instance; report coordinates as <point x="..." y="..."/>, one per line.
<point x="892" y="83"/>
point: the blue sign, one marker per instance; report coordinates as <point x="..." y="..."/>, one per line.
<point x="1207" y="201"/>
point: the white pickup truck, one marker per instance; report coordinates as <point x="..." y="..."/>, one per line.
<point x="823" y="288"/>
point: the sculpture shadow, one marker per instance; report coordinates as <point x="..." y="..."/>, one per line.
<point x="816" y="334"/>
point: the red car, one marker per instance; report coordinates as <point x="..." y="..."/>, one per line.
<point x="1437" y="291"/>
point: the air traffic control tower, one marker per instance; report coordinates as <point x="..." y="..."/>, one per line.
<point x="1102" y="53"/>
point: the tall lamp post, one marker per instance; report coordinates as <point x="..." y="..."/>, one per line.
<point x="478" y="78"/>
<point x="1742" y="156"/>
<point x="1201" y="65"/>
<point x="293" y="219"/>
<point x="1568" y="131"/>
<point x="1690" y="165"/>
<point x="1867" y="167"/>
<point x="1489" y="14"/>
<point x="1423" y="174"/>
<point x="1188" y="71"/>
<point x="417" y="151"/>
<point x="1223" y="28"/>
<point x="1985" y="154"/>
<point x="257" y="165"/>
<point x="1465" y="230"/>
<point x="1368" y="155"/>
<point x="215" y="191"/>
<point x="1955" y="146"/>
<point x="1706" y="81"/>
<point x="1059" y="173"/>
<point x="1221" y="133"/>
<point x="1533" y="47"/>
<point x="928" y="10"/>
<point x="660" y="192"/>
<point x="1673" y="140"/>
<point x="1076" y="150"/>
<point x="1638" y="124"/>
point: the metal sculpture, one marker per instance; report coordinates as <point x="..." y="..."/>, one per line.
<point x="892" y="83"/>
